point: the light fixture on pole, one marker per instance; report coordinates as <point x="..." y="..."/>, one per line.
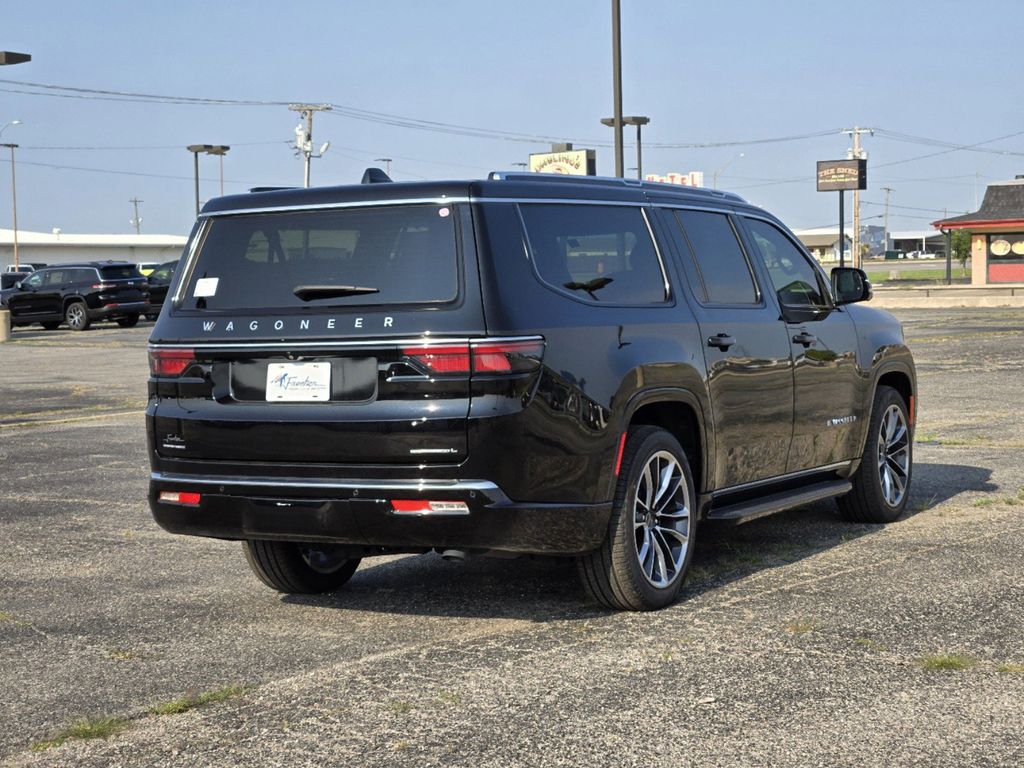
<point x="730" y="161"/>
<point x="639" y="121"/>
<point x="524" y="166"/>
<point x="387" y="161"/>
<point x="10" y="57"/>
<point x="207" y="149"/>
<point x="14" y="192"/>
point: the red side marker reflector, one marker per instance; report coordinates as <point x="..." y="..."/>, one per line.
<point x="618" y="456"/>
<point x="185" y="498"/>
<point x="424" y="507"/>
<point x="913" y="414"/>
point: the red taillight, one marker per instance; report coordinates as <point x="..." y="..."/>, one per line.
<point x="441" y="359"/>
<point x="484" y="358"/>
<point x="170" y="362"/>
<point x="185" y="498"/>
<point x="102" y="287"/>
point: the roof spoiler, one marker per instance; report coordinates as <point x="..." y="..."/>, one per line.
<point x="375" y="176"/>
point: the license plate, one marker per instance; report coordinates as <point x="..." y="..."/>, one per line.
<point x="302" y="382"/>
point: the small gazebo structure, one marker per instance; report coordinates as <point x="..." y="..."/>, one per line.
<point x="997" y="234"/>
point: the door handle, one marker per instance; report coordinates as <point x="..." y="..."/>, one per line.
<point x="721" y="340"/>
<point x="804" y="338"/>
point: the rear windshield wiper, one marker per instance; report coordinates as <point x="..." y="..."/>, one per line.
<point x="310" y="292"/>
<point x="590" y="286"/>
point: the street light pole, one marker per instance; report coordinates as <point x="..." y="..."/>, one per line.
<point x="617" y="87"/>
<point x="639" y="121"/>
<point x="387" y="161"/>
<point x="14" y="202"/>
<point x="714" y="176"/>
<point x="207" y="149"/>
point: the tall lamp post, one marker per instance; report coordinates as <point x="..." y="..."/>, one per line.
<point x="6" y="58"/>
<point x="639" y="121"/>
<point x="14" y="191"/>
<point x="207" y="149"/>
<point x="730" y="161"/>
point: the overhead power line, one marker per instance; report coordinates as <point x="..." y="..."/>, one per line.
<point x="384" y="118"/>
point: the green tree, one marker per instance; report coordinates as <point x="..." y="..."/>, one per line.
<point x="961" y="246"/>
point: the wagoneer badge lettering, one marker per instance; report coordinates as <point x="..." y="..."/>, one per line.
<point x="209" y="326"/>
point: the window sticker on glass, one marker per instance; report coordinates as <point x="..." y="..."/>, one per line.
<point x="205" y="286"/>
<point x="443" y="212"/>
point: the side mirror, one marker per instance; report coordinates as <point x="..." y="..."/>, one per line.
<point x="850" y="285"/>
<point x="19" y="286"/>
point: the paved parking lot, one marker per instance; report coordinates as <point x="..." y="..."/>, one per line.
<point x="801" y="640"/>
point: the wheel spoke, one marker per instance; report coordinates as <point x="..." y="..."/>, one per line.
<point x="645" y="548"/>
<point x="677" y="535"/>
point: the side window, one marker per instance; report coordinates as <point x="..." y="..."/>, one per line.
<point x="81" y="275"/>
<point x="794" y="278"/>
<point x="56" y="277"/>
<point x="597" y="253"/>
<point x="717" y="260"/>
<point x="35" y="280"/>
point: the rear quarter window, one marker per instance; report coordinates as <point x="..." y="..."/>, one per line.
<point x="595" y="253"/>
<point x="402" y="254"/>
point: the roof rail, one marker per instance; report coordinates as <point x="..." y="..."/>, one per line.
<point x="270" y="189"/>
<point x="607" y="181"/>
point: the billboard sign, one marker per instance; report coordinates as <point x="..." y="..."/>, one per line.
<point x="573" y="162"/>
<point x="840" y="175"/>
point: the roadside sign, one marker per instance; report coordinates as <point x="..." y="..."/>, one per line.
<point x="839" y="175"/>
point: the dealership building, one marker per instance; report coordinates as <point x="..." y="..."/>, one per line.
<point x="59" y="248"/>
<point x="997" y="234"/>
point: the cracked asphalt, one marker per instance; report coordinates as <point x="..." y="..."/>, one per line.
<point x="800" y="640"/>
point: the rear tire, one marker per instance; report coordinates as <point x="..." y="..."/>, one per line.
<point x="77" y="316"/>
<point x="51" y="325"/>
<point x="296" y="568"/>
<point x="129" y="321"/>
<point x="643" y="560"/>
<point x="881" y="485"/>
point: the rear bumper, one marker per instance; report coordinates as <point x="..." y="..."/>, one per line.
<point x="361" y="514"/>
<point x="119" y="310"/>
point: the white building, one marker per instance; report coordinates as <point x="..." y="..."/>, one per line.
<point x="60" y="248"/>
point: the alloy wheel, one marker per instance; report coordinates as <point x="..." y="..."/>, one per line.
<point x="75" y="316"/>
<point x="893" y="455"/>
<point x="661" y="519"/>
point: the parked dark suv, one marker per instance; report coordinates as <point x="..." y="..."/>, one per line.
<point x="527" y="364"/>
<point x="78" y="294"/>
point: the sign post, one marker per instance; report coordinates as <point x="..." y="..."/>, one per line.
<point x="839" y="176"/>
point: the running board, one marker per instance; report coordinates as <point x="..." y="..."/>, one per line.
<point x="777" y="502"/>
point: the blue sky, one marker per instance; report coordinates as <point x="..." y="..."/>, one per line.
<point x="726" y="71"/>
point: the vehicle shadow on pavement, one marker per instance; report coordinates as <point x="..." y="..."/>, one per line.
<point x="546" y="589"/>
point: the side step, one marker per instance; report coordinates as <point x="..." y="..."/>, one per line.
<point x="777" y="502"/>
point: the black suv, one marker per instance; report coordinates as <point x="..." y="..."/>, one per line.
<point x="78" y="294"/>
<point x="526" y="364"/>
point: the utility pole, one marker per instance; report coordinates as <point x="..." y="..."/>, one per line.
<point x="304" y="135"/>
<point x="137" y="220"/>
<point x="885" y="226"/>
<point x="856" y="153"/>
<point x="387" y="161"/>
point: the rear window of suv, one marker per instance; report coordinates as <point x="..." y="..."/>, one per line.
<point x="120" y="273"/>
<point x="352" y="257"/>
